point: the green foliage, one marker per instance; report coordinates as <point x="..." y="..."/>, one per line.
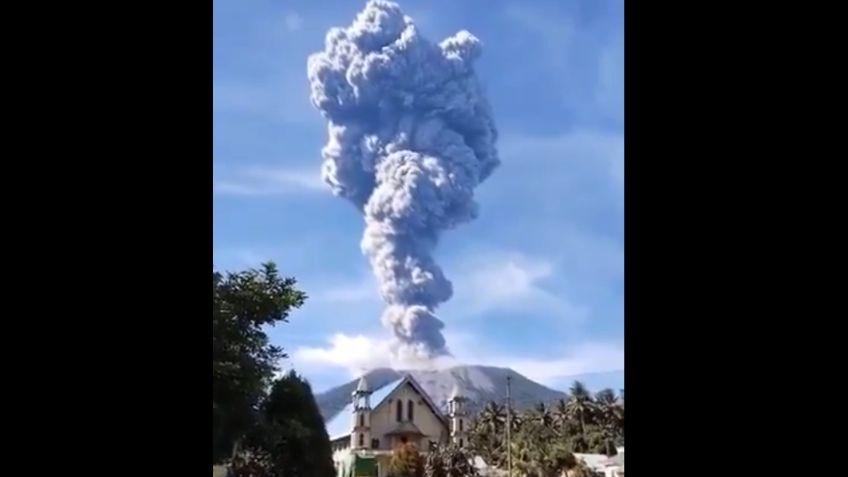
<point x="406" y="462"/>
<point x="243" y="360"/>
<point x="538" y="451"/>
<point x="544" y="437"/>
<point x="486" y="433"/>
<point x="434" y="465"/>
<point x="449" y="461"/>
<point x="289" y="438"/>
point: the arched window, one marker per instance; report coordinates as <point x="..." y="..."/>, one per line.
<point x="460" y="425"/>
<point x="460" y="443"/>
<point x="399" y="410"/>
<point x="362" y="420"/>
<point x="361" y="440"/>
<point x="409" y="408"/>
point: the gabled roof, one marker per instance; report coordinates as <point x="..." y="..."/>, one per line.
<point x="340" y="425"/>
<point x="404" y="428"/>
<point x="417" y="387"/>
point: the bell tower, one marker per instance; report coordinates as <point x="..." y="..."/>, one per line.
<point x="456" y="412"/>
<point x="360" y="436"/>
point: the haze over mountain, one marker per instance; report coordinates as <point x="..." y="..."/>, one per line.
<point x="479" y="384"/>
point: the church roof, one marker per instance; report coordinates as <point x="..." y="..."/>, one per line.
<point x="340" y="425"/>
<point x="405" y="428"/>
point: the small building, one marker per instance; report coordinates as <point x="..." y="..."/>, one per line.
<point x="596" y="462"/>
<point x="601" y="464"/>
<point x="365" y="433"/>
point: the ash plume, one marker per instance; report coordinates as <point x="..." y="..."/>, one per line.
<point x="411" y="135"/>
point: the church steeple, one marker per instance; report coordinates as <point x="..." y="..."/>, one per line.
<point x="360" y="436"/>
<point x="456" y="412"/>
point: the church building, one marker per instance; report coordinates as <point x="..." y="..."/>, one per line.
<point x="365" y="433"/>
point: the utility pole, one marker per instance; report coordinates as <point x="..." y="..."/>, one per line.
<point x="508" y="425"/>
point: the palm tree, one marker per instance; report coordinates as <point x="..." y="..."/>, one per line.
<point x="542" y="415"/>
<point x="458" y="463"/>
<point x="606" y="417"/>
<point x="516" y="419"/>
<point x="449" y="461"/>
<point x="580" y="406"/>
<point x="610" y="416"/>
<point x="493" y="417"/>
<point x="484" y="441"/>
<point x="560" y="416"/>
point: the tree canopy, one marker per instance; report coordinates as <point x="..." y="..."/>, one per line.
<point x="545" y="438"/>
<point x="289" y="438"/>
<point x="406" y="462"/>
<point x="243" y="360"/>
<point x="449" y="460"/>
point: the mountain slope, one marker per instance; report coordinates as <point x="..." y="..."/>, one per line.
<point x="479" y="384"/>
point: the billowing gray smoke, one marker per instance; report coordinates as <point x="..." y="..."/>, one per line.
<point x="410" y="136"/>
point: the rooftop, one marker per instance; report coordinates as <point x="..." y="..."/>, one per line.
<point x="339" y="426"/>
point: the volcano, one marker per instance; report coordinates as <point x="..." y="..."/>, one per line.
<point x="479" y="384"/>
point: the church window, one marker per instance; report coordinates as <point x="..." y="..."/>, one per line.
<point x="361" y="440"/>
<point x="409" y="409"/>
<point x="362" y="420"/>
<point x="460" y="443"/>
<point x="399" y="410"/>
<point x="460" y="425"/>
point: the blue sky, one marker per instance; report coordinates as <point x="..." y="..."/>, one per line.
<point x="538" y="277"/>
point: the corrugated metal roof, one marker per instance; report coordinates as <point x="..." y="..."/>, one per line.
<point x="342" y="423"/>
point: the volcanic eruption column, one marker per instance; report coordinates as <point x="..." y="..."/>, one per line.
<point x="411" y="135"/>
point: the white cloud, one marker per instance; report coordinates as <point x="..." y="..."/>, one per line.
<point x="355" y="353"/>
<point x="359" y="353"/>
<point x="293" y="21"/>
<point x="491" y="281"/>
<point x="264" y="181"/>
<point x="508" y="281"/>
<point x="587" y="358"/>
